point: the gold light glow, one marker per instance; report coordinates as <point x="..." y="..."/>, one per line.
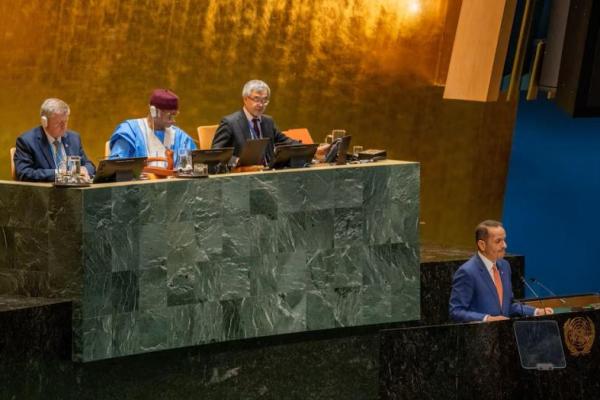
<point x="368" y="66"/>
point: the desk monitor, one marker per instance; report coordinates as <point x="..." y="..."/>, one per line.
<point x="253" y="152"/>
<point x="294" y="155"/>
<point x="216" y="159"/>
<point x="339" y="150"/>
<point x="119" y="169"/>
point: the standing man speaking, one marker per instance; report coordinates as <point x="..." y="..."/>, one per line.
<point x="482" y="289"/>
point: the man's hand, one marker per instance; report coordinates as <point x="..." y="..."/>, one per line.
<point x="491" y="318"/>
<point x="543" y="311"/>
<point x="322" y="151"/>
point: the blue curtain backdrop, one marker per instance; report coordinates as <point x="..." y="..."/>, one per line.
<point x="552" y="200"/>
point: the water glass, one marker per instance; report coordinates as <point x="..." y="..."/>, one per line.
<point x="200" y="169"/>
<point x="60" y="173"/>
<point x="356" y="150"/>
<point x="184" y="161"/>
<point x="74" y="166"/>
<point x="337" y="134"/>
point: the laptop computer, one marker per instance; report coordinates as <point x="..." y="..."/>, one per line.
<point x="293" y="155"/>
<point x="253" y="152"/>
<point x="119" y="169"/>
<point x="216" y="159"/>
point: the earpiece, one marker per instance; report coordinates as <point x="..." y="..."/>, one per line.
<point x="44" y="121"/>
<point x="153" y="112"/>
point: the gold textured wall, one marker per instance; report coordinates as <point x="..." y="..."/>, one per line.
<point x="373" y="67"/>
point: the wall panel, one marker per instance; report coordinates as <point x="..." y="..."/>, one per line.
<point x="372" y="67"/>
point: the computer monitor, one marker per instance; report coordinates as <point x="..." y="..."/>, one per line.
<point x="216" y="159"/>
<point x="119" y="169"/>
<point x="253" y="152"/>
<point x="294" y="155"/>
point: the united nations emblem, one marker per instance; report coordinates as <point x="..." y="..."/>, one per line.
<point x="579" y="334"/>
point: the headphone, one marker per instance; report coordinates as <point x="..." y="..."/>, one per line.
<point x="44" y="121"/>
<point x="153" y="112"/>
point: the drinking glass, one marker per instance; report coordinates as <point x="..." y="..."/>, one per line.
<point x="73" y="165"/>
<point x="184" y="161"/>
<point x="356" y="150"/>
<point x="60" y="173"/>
<point x="200" y="169"/>
<point x="337" y="134"/>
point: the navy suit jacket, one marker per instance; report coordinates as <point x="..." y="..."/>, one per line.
<point x="33" y="157"/>
<point x="474" y="295"/>
<point x="234" y="130"/>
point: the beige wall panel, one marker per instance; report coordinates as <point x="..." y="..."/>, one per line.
<point x="479" y="50"/>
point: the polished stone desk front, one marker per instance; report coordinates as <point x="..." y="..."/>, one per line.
<point x="166" y="264"/>
<point x="482" y="361"/>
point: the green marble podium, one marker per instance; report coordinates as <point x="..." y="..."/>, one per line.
<point x="165" y="264"/>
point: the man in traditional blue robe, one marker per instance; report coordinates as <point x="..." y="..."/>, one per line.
<point x="151" y="136"/>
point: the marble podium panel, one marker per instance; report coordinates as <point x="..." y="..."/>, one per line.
<point x="165" y="264"/>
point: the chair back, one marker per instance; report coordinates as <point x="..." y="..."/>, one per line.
<point x="206" y="133"/>
<point x="13" y="174"/>
<point x="301" y="134"/>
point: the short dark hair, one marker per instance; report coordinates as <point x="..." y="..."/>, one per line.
<point x="481" y="231"/>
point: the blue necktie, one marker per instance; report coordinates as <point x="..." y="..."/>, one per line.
<point x="57" y="152"/>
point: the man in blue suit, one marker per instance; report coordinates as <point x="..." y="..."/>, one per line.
<point x="42" y="148"/>
<point x="482" y="289"/>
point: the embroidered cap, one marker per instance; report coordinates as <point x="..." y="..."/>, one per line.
<point x="164" y="99"/>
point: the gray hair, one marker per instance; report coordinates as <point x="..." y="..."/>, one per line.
<point x="54" y="106"/>
<point x="481" y="231"/>
<point x="255" y="86"/>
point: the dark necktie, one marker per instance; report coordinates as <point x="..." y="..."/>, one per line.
<point x="256" y="127"/>
<point x="255" y="123"/>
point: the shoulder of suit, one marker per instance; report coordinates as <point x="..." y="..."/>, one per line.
<point x="33" y="132"/>
<point x="472" y="263"/>
<point x="72" y="134"/>
<point x="233" y="116"/>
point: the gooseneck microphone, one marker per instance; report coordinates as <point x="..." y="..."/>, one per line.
<point x="537" y="296"/>
<point x="540" y="284"/>
<point x="529" y="287"/>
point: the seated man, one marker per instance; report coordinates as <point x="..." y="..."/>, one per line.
<point x="40" y="150"/>
<point x="151" y="136"/>
<point x="482" y="289"/>
<point x="250" y="122"/>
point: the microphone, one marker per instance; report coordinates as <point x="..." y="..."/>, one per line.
<point x="537" y="296"/>
<point x="540" y="284"/>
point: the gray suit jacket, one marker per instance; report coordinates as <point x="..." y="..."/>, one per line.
<point x="234" y="130"/>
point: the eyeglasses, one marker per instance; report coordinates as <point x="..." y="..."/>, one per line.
<point x="169" y="115"/>
<point x="261" y="100"/>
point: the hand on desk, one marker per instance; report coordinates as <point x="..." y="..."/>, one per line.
<point x="543" y="311"/>
<point x="322" y="151"/>
<point x="491" y="318"/>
